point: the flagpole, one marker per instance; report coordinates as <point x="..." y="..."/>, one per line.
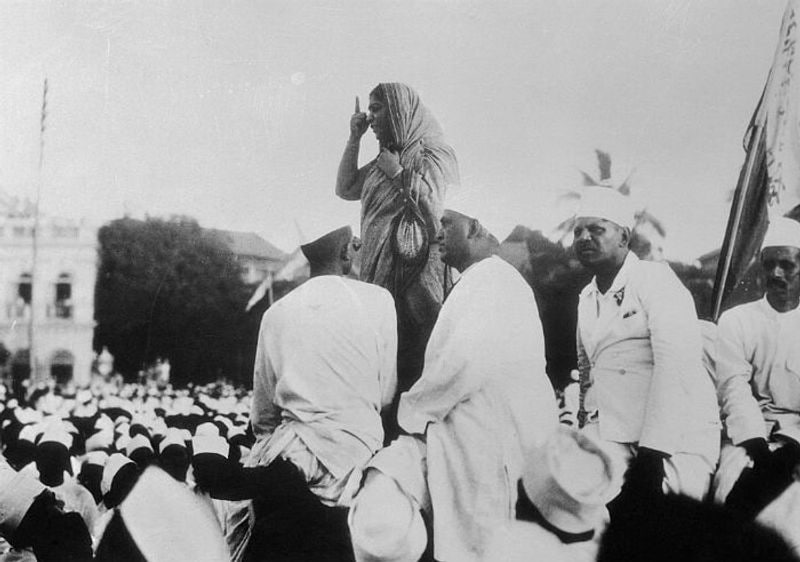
<point x="34" y="374"/>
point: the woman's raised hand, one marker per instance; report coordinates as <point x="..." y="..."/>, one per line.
<point x="358" y="122"/>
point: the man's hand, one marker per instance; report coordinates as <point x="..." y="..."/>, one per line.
<point x="213" y="472"/>
<point x="757" y="449"/>
<point x="358" y="123"/>
<point x="389" y="163"/>
<point x="643" y="486"/>
<point x="647" y="470"/>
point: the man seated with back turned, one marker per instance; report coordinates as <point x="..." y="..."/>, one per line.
<point x="644" y="387"/>
<point x="758" y="379"/>
<point x="325" y="366"/>
<point x="482" y="402"/>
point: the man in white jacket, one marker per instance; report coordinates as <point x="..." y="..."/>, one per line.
<point x="758" y="367"/>
<point x="482" y="401"/>
<point x="644" y="387"/>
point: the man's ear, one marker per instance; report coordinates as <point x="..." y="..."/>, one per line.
<point x="625" y="238"/>
<point x="344" y="254"/>
<point x="474" y="228"/>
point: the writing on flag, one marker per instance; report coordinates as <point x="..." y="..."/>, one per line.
<point x="782" y="116"/>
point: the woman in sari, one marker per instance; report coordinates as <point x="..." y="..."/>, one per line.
<point x="414" y="161"/>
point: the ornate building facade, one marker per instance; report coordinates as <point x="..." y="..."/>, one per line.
<point x="50" y="303"/>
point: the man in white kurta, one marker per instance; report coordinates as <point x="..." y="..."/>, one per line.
<point x="325" y="366"/>
<point x="483" y="400"/>
<point x="640" y="356"/>
<point x="758" y="357"/>
<point x="758" y="369"/>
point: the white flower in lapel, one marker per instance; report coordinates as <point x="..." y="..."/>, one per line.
<point x="619" y="296"/>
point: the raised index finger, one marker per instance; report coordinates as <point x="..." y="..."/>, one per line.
<point x="358" y="106"/>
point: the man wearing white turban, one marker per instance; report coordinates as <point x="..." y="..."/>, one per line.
<point x="643" y="385"/>
<point x="758" y="369"/>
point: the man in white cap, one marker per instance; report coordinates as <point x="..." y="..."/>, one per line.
<point x="644" y="387"/>
<point x="482" y="401"/>
<point x="31" y="518"/>
<point x="325" y="367"/>
<point x="758" y="370"/>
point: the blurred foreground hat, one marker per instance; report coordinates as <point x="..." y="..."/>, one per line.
<point x="164" y="522"/>
<point x="385" y="525"/>
<point x="607" y="203"/>
<point x="782" y="231"/>
<point x="570" y="479"/>
<point x="119" y="476"/>
<point x="17" y="492"/>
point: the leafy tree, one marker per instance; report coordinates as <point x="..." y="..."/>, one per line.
<point x="169" y="289"/>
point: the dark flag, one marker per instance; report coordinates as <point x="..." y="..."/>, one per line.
<point x="769" y="183"/>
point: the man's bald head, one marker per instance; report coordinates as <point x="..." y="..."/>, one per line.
<point x="463" y="240"/>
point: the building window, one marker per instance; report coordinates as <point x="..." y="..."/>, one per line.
<point x="25" y="288"/>
<point x="61" y="366"/>
<point x="20" y="307"/>
<point x="63" y="304"/>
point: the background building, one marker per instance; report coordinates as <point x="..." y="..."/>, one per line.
<point x="54" y="301"/>
<point x="258" y="258"/>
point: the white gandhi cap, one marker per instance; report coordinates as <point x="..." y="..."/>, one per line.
<point x="782" y="231"/>
<point x="607" y="203"/>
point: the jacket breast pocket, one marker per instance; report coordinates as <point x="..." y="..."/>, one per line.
<point x="632" y="323"/>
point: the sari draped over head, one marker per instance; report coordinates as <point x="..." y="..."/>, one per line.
<point x="429" y="170"/>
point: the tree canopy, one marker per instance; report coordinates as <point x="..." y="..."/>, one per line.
<point x="169" y="289"/>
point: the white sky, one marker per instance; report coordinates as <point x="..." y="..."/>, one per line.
<point x="236" y="112"/>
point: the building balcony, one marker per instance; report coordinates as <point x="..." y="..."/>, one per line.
<point x="18" y="311"/>
<point x="59" y="310"/>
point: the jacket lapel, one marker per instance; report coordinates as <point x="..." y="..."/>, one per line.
<point x="609" y="316"/>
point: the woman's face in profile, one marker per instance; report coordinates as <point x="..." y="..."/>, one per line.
<point x="379" y="120"/>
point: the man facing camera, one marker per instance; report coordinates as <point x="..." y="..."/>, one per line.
<point x="758" y="377"/>
<point x="644" y="387"/>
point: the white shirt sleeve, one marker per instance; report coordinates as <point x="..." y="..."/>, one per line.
<point x="677" y="355"/>
<point x="740" y="410"/>
<point x="388" y="371"/>
<point x="264" y="414"/>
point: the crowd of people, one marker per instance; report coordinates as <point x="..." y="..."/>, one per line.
<point x="408" y="415"/>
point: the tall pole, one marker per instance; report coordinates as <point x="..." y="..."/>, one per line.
<point x="35" y="234"/>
